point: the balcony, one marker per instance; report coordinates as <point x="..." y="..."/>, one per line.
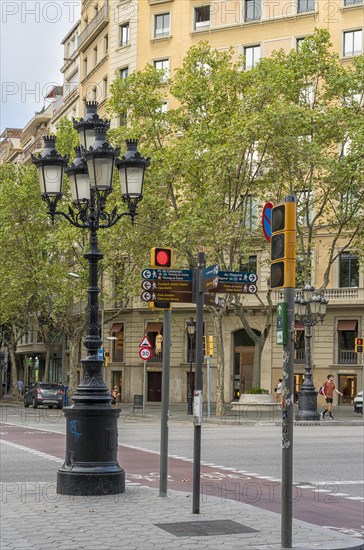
<point x="299" y="357"/>
<point x="95" y="26"/>
<point x="347" y="357"/>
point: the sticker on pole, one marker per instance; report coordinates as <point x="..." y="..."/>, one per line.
<point x="145" y="353"/>
<point x="267" y="220"/>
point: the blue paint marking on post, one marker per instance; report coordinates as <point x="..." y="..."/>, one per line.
<point x="267" y="220"/>
<point x="73" y="429"/>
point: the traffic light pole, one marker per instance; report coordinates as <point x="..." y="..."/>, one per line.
<point x="201" y="263"/>
<point x="163" y="481"/>
<point x="287" y="423"/>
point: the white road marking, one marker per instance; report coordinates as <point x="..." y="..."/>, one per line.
<point x="31" y="451"/>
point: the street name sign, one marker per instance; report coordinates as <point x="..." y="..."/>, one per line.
<point x="181" y="297"/>
<point x="167" y="286"/>
<point x="235" y="288"/>
<point x="210" y="299"/>
<point x="237" y="277"/>
<point x="167" y="274"/>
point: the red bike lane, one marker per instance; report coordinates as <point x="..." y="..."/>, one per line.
<point x="142" y="467"/>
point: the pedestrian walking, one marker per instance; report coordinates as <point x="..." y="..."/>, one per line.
<point x="20" y="384"/>
<point x="328" y="389"/>
<point x="115" y="394"/>
<point x="278" y="390"/>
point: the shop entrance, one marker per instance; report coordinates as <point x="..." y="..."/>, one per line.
<point x="117" y="380"/>
<point x="347" y="386"/>
<point x="155" y="386"/>
<point x="243" y="362"/>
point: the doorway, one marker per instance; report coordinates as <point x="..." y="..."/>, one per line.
<point x="117" y="380"/>
<point x="347" y="386"/>
<point x="155" y="387"/>
<point x="244" y="350"/>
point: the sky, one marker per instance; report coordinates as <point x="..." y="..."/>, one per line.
<point x="31" y="54"/>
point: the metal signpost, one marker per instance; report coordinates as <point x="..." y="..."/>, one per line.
<point x="144" y="353"/>
<point x="163" y="479"/>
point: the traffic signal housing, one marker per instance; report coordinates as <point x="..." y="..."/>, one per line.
<point x="161" y="257"/>
<point x="359" y="343"/>
<point x="283" y="245"/>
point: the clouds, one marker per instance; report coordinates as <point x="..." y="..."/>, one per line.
<point x="31" y="54"/>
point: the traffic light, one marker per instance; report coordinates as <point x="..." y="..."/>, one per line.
<point x="359" y="343"/>
<point x="204" y="348"/>
<point x="211" y="346"/>
<point x="160" y="305"/>
<point x="283" y="245"/>
<point x="161" y="257"/>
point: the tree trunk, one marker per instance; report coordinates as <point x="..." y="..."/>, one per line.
<point x="46" y="364"/>
<point x="217" y="317"/>
<point x="14" y="370"/>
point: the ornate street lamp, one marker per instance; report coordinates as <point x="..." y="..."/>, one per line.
<point x="309" y="309"/>
<point x="91" y="466"/>
<point x="191" y="331"/>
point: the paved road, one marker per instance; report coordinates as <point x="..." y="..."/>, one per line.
<point x="322" y="503"/>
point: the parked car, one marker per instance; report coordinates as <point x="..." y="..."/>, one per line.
<point x="44" y="393"/>
<point x="358" y="402"/>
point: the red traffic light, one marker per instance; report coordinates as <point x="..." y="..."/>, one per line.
<point x="161" y="257"/>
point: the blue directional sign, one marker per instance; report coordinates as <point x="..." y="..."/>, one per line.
<point x="167" y="274"/>
<point x="237" y="277"/>
<point x="210" y="271"/>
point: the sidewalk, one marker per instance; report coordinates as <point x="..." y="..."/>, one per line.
<point x="139" y="520"/>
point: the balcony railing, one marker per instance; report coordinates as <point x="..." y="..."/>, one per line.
<point x="156" y="357"/>
<point x="300" y="357"/>
<point x="99" y="21"/>
<point x="347" y="357"/>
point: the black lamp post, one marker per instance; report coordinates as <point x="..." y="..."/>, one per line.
<point x="310" y="309"/>
<point x="91" y="466"/>
<point x="191" y="331"/>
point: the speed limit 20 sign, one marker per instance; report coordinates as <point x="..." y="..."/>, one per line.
<point x="145" y="353"/>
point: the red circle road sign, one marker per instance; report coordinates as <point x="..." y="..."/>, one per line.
<point x="267" y="220"/>
<point x="145" y="353"/>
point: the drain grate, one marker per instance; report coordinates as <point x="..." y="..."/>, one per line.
<point x="205" y="528"/>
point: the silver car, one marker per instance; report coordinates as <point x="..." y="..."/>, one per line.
<point x="44" y="393"/>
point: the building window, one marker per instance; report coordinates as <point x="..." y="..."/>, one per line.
<point x="352" y="2"/>
<point x="95" y="56"/>
<point x="348" y="270"/>
<point x="162" y="65"/>
<point x="122" y="119"/>
<point x="347" y="331"/>
<point x="106" y="44"/>
<point x="353" y="43"/>
<point x="249" y="265"/>
<point x="202" y="17"/>
<point x="299" y="344"/>
<point x="154" y="332"/>
<point x="85" y="66"/>
<point x="252" y="56"/>
<point x="305" y="5"/>
<point x="304" y="207"/>
<point x="117" y="331"/>
<point x="299" y="42"/>
<point x="104" y="87"/>
<point x="124" y="72"/>
<point x="252" y="10"/>
<point x="124" y="34"/>
<point x="161" y="25"/>
<point x="249" y="212"/>
<point x="94" y="94"/>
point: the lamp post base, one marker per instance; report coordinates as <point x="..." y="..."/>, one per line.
<point x="307" y="406"/>
<point x="91" y="466"/>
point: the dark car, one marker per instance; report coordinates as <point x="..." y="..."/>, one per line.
<point x="44" y="393"/>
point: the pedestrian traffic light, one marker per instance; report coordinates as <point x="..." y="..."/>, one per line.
<point x="204" y="348"/>
<point x="211" y="346"/>
<point x="160" y="305"/>
<point x="161" y="257"/>
<point x="283" y="245"/>
<point x="359" y="343"/>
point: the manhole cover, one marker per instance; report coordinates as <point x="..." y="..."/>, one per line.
<point x="205" y="528"/>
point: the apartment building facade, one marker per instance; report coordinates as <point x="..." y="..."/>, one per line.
<point x="112" y="39"/>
